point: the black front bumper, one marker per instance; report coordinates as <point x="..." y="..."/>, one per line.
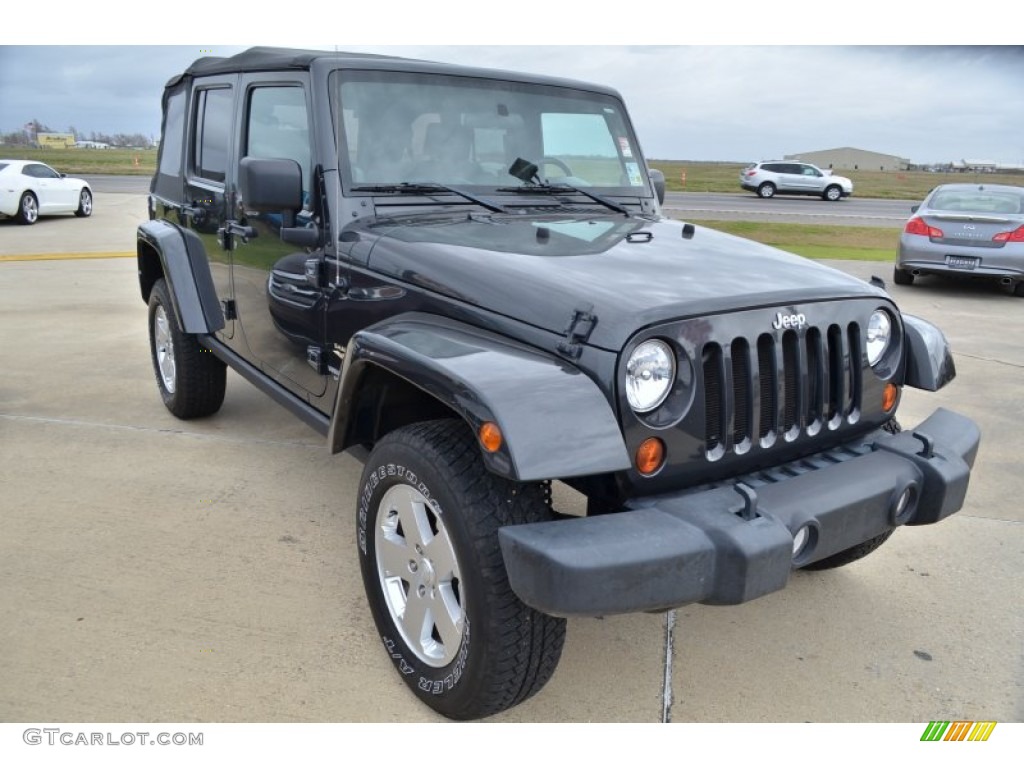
<point x="734" y="543"/>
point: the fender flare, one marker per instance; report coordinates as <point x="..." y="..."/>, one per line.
<point x="185" y="267"/>
<point x="929" y="361"/>
<point x="555" y="421"/>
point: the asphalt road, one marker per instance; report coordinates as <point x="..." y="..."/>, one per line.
<point x="696" y="205"/>
<point x="168" y="571"/>
<point x="852" y="211"/>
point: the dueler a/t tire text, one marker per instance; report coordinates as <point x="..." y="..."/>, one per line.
<point x="190" y="377"/>
<point x="427" y="532"/>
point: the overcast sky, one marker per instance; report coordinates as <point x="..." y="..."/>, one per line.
<point x="688" y="102"/>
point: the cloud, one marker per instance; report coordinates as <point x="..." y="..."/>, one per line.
<point x="705" y="102"/>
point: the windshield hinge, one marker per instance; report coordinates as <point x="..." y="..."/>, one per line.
<point x="578" y="331"/>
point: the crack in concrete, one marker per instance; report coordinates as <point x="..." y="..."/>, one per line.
<point x="666" y="688"/>
<point x="989" y="360"/>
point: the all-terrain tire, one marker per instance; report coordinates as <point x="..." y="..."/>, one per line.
<point x="427" y="533"/>
<point x="191" y="379"/>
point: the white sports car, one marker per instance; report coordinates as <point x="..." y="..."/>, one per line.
<point x="30" y="189"/>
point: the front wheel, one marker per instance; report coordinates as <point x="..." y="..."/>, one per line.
<point x="84" y="203"/>
<point x="832" y="193"/>
<point x="427" y="532"/>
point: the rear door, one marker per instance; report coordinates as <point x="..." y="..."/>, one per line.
<point x="207" y="177"/>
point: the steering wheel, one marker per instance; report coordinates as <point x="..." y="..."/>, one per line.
<point x="560" y="164"/>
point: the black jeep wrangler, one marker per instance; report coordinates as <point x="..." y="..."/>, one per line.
<point x="464" y="275"/>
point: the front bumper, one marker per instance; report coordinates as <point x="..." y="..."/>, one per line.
<point x="734" y="543"/>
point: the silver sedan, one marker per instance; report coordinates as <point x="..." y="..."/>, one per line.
<point x="972" y="230"/>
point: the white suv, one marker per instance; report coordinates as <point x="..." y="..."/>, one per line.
<point x="779" y="177"/>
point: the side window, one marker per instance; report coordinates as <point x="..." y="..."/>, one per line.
<point x="774" y="167"/>
<point x="174" y="128"/>
<point x="809" y="171"/>
<point x="277" y="126"/>
<point x="212" y="132"/>
<point x="38" y="171"/>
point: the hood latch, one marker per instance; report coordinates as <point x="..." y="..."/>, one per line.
<point x="580" y="327"/>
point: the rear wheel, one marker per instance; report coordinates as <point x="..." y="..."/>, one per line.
<point x="190" y="377"/>
<point x="766" y="190"/>
<point x="427" y="532"/>
<point x="28" y="209"/>
<point x="902" y="276"/>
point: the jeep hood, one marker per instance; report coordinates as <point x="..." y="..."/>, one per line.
<point x="634" y="272"/>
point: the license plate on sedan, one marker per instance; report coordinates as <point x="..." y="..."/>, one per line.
<point x="961" y="262"/>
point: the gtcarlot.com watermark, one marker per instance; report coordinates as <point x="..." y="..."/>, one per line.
<point x="54" y="736"/>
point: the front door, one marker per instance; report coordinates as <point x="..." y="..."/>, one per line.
<point x="280" y="309"/>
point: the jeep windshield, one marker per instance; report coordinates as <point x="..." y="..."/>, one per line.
<point x="400" y="128"/>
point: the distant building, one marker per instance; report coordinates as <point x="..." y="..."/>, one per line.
<point x="852" y="159"/>
<point x="55" y="140"/>
<point x="93" y="145"/>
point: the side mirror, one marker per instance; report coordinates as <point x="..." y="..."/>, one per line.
<point x="913" y="208"/>
<point x="658" y="180"/>
<point x="270" y="186"/>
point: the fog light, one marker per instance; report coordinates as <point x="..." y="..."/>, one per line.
<point x="800" y="539"/>
<point x="904" y="506"/>
<point x="650" y="456"/>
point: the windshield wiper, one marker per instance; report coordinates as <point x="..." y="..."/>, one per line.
<point x="545" y="188"/>
<point x="529" y="174"/>
<point x="425" y="188"/>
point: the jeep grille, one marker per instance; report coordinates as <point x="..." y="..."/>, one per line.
<point x="761" y="392"/>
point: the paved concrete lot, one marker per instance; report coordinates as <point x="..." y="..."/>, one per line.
<point x="158" y="570"/>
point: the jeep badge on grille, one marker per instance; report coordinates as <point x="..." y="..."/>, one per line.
<point x="788" y="321"/>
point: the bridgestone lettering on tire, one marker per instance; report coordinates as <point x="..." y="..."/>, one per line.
<point x="427" y="533"/>
<point x="190" y="378"/>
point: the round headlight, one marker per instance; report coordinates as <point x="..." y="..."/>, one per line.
<point x="650" y="371"/>
<point x="879" y="335"/>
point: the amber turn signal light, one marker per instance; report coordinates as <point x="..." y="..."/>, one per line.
<point x="650" y="456"/>
<point x="889" y="397"/>
<point x="490" y="436"/>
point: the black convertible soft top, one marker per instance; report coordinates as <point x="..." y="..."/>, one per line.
<point x="264" y="59"/>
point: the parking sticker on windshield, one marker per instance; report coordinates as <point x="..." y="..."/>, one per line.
<point x="624" y="147"/>
<point x="635" y="179"/>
